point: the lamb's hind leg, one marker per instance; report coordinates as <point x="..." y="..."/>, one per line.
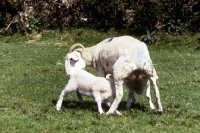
<point x="80" y="98"/>
<point x="64" y="92"/>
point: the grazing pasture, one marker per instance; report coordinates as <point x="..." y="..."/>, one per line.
<point x="32" y="76"/>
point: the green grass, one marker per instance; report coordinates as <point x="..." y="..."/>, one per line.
<point x="32" y="76"/>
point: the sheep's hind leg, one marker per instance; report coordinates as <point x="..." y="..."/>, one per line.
<point x="153" y="82"/>
<point x="121" y="70"/>
<point x="148" y="95"/>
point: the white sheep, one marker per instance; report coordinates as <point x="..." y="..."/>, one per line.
<point x="122" y="57"/>
<point x="87" y="84"/>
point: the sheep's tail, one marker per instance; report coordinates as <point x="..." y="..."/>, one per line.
<point x="76" y="45"/>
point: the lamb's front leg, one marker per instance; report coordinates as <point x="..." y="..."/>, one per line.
<point x="64" y="92"/>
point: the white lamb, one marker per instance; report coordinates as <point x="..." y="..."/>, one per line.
<point x="122" y="57"/>
<point x="87" y="84"/>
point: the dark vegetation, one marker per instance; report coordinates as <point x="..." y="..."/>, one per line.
<point x="138" y="17"/>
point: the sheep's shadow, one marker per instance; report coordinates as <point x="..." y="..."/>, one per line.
<point x="92" y="106"/>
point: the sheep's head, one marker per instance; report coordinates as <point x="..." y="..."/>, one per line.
<point x="74" y="60"/>
<point x="137" y="81"/>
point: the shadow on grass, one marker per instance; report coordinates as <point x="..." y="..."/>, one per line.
<point x="198" y="47"/>
<point x="92" y="105"/>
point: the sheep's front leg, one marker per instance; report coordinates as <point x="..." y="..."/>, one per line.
<point x="108" y="103"/>
<point x="101" y="71"/>
<point x="148" y="95"/>
<point x="131" y="94"/>
<point x="131" y="98"/>
<point x="64" y="92"/>
<point x="134" y="98"/>
<point x="121" y="69"/>
<point x="153" y="81"/>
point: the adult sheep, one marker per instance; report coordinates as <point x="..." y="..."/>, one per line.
<point x="123" y="57"/>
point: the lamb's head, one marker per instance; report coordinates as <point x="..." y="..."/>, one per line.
<point x="74" y="60"/>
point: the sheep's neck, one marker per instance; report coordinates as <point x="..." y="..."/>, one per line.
<point x="88" y="55"/>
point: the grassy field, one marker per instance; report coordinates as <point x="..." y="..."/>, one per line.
<point x="32" y="76"/>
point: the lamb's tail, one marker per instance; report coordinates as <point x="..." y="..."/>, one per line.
<point x="109" y="76"/>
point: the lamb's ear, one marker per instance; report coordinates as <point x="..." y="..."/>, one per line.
<point x="74" y="57"/>
<point x="80" y="51"/>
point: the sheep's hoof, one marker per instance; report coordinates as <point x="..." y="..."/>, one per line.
<point x="58" y="108"/>
<point x="128" y="105"/>
<point x="81" y="101"/>
<point x="152" y="107"/>
<point x="110" y="113"/>
<point x="102" y="113"/>
<point x="159" y="112"/>
<point x="118" y="113"/>
<point x="135" y="102"/>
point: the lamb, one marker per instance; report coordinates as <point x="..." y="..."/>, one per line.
<point x="123" y="57"/>
<point x="97" y="87"/>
